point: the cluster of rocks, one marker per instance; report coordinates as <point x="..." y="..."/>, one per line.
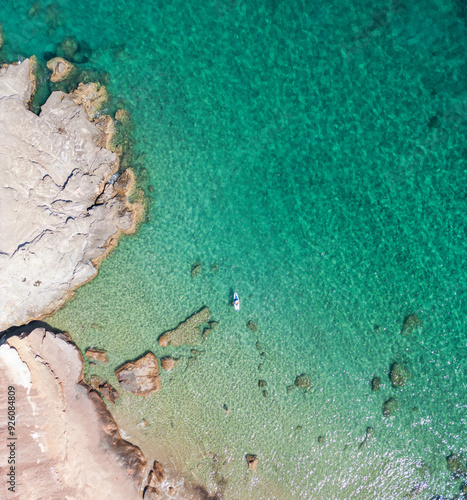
<point x="399" y="375"/>
<point x="197" y="268"/>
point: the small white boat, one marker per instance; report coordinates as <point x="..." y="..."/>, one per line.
<point x="236" y="302"/>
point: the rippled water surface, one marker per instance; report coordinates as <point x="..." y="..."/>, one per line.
<point x="311" y="156"/>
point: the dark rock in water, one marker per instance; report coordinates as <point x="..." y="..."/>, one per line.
<point x="369" y="434"/>
<point x="188" y="331"/>
<point x="415" y="409"/>
<point x="252" y="325"/>
<point x="262" y="354"/>
<point x="68" y="48"/>
<point x="390" y="406"/>
<point x="298" y="428"/>
<point x="411" y="322"/>
<point x="196" y="269"/>
<point x="206" y="332"/>
<point x="434" y="122"/>
<point x="456" y="464"/>
<point x="417" y="490"/>
<point x="375" y="384"/>
<point x="215" y="268"/>
<point x="213" y="324"/>
<point x="140" y="377"/>
<point x="290" y="388"/>
<point x="399" y="375"/>
<point x="259" y="346"/>
<point x="320" y="439"/>
<point x="262" y="383"/>
<point x="265" y="393"/>
<point x="303" y="382"/>
<point x="252" y="461"/>
<point x="260" y="366"/>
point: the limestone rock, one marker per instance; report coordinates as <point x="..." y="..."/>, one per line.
<point x="61" y="69"/>
<point x="97" y="355"/>
<point x="411" y="322"/>
<point x="151" y="493"/>
<point x="91" y="96"/>
<point x="168" y="363"/>
<point x="123" y="116"/>
<point x="187" y="332"/>
<point x="2" y="36"/>
<point x="60" y="216"/>
<point x="390" y="406"/>
<point x="399" y="375"/>
<point x="68" y="443"/>
<point x="303" y="382"/>
<point x="252" y="461"/>
<point x="140" y="377"/>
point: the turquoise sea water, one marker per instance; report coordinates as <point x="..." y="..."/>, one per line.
<point x="310" y="156"/>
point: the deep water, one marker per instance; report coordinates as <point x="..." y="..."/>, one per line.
<point x="312" y="157"/>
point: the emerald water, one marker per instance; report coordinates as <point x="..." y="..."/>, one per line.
<point x="311" y="156"/>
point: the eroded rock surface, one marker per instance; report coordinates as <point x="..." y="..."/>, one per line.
<point x="60" y="215"/>
<point x="187" y="332"/>
<point x="69" y="446"/>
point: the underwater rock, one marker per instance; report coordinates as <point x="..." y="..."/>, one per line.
<point x="251" y="325"/>
<point x="411" y="322"/>
<point x="456" y="464"/>
<point x="290" y="388"/>
<point x="265" y="393"/>
<point x="58" y="211"/>
<point x="369" y="434"/>
<point x="97" y="355"/>
<point x="375" y="384"/>
<point x="196" y="269"/>
<point x="320" y="439"/>
<point x="67" y="436"/>
<point x="390" y="406"/>
<point x="2" y="36"/>
<point x="399" y="375"/>
<point x="262" y="383"/>
<point x="61" y="69"/>
<point x="252" y="461"/>
<point x="73" y="50"/>
<point x="141" y="377"/>
<point x="95" y="381"/>
<point x="303" y="382"/>
<point x="213" y="324"/>
<point x="123" y="116"/>
<point x="168" y="363"/>
<point x="187" y="332"/>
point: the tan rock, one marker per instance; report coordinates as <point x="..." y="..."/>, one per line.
<point x="151" y="493"/>
<point x="172" y="490"/>
<point x="168" y="363"/>
<point x="91" y="96"/>
<point x="140" y="377"/>
<point x="108" y="392"/>
<point x="95" y="381"/>
<point x="187" y="332"/>
<point x="252" y="461"/>
<point x="97" y="355"/>
<point x="61" y="69"/>
<point x="156" y="474"/>
<point x="68" y="443"/>
<point x="123" y="116"/>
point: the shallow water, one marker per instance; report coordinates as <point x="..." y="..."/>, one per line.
<point x="311" y="158"/>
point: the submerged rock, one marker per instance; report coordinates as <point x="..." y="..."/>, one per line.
<point x="60" y="217"/>
<point x="375" y="384"/>
<point x="399" y="375"/>
<point x="61" y="69"/>
<point x="252" y="461"/>
<point x="2" y="36"/>
<point x="188" y="332"/>
<point x="411" y="322"/>
<point x="369" y="434"/>
<point x="456" y="464"/>
<point x="97" y="355"/>
<point x="303" y="382"/>
<point x="251" y="325"/>
<point x="67" y="436"/>
<point x="390" y="406"/>
<point x="141" y="377"/>
<point x="196" y="269"/>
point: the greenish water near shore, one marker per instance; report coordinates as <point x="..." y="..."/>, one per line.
<point x="312" y="158"/>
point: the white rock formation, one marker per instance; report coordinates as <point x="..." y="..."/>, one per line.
<point x="60" y="442"/>
<point x="58" y="214"/>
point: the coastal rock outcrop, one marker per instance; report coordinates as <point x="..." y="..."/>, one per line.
<point x="140" y="377"/>
<point x="187" y="332"/>
<point x="68" y="445"/>
<point x="61" y="69"/>
<point x="60" y="213"/>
